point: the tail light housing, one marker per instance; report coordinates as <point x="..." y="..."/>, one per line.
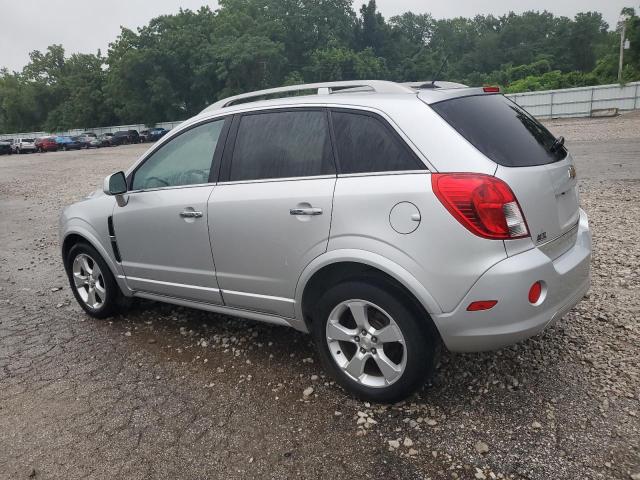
<point x="483" y="204"/>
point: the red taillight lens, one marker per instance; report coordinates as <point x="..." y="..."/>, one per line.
<point x="491" y="89"/>
<point x="534" y="292"/>
<point x="485" y="205"/>
<point x="481" y="305"/>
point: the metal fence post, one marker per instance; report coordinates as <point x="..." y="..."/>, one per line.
<point x="551" y="112"/>
<point x="635" y="97"/>
<point x="591" y="102"/>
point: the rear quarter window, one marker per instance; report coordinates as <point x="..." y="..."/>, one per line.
<point x="501" y="130"/>
<point x="366" y="144"/>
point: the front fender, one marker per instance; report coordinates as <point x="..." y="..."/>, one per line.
<point x="373" y="260"/>
<point x="80" y="227"/>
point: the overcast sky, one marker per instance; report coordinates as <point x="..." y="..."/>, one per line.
<point x="87" y="25"/>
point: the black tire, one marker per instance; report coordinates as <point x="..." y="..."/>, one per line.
<point x="421" y="338"/>
<point x="114" y="298"/>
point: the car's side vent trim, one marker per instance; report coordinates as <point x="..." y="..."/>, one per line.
<point x="112" y="238"/>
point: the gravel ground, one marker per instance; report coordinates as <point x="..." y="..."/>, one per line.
<point x="166" y="392"/>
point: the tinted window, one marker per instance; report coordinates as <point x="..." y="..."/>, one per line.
<point x="366" y="144"/>
<point x="501" y="130"/>
<point x="184" y="160"/>
<point x="282" y="144"/>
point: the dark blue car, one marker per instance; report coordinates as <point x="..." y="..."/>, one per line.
<point x="68" y="143"/>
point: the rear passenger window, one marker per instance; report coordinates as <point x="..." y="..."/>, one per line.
<point x="282" y="144"/>
<point x="365" y="144"/>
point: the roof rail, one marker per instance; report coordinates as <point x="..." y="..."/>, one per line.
<point x="324" y="88"/>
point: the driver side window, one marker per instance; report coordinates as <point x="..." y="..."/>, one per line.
<point x="184" y="160"/>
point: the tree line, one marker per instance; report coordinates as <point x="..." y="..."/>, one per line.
<point x="176" y="65"/>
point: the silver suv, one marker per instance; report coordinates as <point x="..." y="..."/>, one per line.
<point x="383" y="218"/>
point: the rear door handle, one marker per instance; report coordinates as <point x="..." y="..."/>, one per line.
<point x="306" y="211"/>
<point x="190" y="214"/>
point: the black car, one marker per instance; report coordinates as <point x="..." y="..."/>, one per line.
<point x="156" y="134"/>
<point x="5" y="148"/>
<point x="125" y="137"/>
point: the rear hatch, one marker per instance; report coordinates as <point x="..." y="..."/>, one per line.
<point x="539" y="170"/>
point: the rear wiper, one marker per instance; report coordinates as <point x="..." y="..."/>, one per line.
<point x="557" y="144"/>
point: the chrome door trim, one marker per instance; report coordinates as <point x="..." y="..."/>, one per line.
<point x="172" y="284"/>
<point x="257" y="295"/>
<point x="393" y="172"/>
<point x="283" y="179"/>
<point x="172" y="187"/>
<point x="237" y="312"/>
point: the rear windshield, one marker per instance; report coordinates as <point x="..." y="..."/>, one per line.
<point x="501" y="130"/>
<point x="27" y="139"/>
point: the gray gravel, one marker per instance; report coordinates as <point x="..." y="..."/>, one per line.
<point x="166" y="392"/>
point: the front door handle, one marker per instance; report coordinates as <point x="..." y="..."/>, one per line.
<point x="190" y="214"/>
<point x="306" y="211"/>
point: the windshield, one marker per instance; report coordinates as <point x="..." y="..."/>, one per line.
<point x="501" y="130"/>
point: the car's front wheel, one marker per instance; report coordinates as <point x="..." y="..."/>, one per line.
<point x="92" y="282"/>
<point x="374" y="340"/>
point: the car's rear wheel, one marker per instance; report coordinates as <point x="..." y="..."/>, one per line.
<point x="92" y="282"/>
<point x="374" y="341"/>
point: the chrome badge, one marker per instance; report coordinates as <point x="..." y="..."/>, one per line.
<point x="572" y="172"/>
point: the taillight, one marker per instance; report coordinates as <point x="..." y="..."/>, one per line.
<point x="490" y="89"/>
<point x="485" y="205"/>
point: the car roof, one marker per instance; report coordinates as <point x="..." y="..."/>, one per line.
<point x="363" y="93"/>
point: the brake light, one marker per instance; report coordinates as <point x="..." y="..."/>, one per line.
<point x="483" y="204"/>
<point x="491" y="89"/>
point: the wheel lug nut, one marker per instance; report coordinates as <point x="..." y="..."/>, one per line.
<point x="374" y="339"/>
<point x="363" y="350"/>
<point x="364" y="332"/>
<point x="373" y="350"/>
<point x="356" y="338"/>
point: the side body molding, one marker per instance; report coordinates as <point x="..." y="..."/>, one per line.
<point x="368" y="258"/>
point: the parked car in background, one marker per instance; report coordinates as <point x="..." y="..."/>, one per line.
<point x="126" y="137"/>
<point x="89" y="134"/>
<point x="5" y="148"/>
<point x="68" y="143"/>
<point x="87" y="141"/>
<point x="46" y="144"/>
<point x="156" y="134"/>
<point x="104" y="140"/>
<point x="23" y="145"/>
<point x="120" y="138"/>
<point x="144" y="136"/>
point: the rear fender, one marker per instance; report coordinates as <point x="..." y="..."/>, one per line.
<point x="367" y="258"/>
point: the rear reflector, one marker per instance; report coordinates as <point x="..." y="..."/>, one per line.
<point x="481" y="305"/>
<point x="534" y="292"/>
<point x="491" y="89"/>
<point x="485" y="205"/>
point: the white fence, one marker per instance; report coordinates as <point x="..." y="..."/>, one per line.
<point x="569" y="102"/>
<point x="579" y="102"/>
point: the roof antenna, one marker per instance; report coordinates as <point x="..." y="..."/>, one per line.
<point x="435" y="77"/>
<point x="444" y="63"/>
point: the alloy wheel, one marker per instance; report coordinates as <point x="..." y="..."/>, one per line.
<point x="89" y="281"/>
<point x="366" y="343"/>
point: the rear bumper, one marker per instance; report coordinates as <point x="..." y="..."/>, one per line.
<point x="566" y="280"/>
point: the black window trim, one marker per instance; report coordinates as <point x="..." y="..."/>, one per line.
<point x="216" y="157"/>
<point x="420" y="165"/>
<point x="225" y="167"/>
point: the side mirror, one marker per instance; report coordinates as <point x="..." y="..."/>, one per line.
<point x="115" y="184"/>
